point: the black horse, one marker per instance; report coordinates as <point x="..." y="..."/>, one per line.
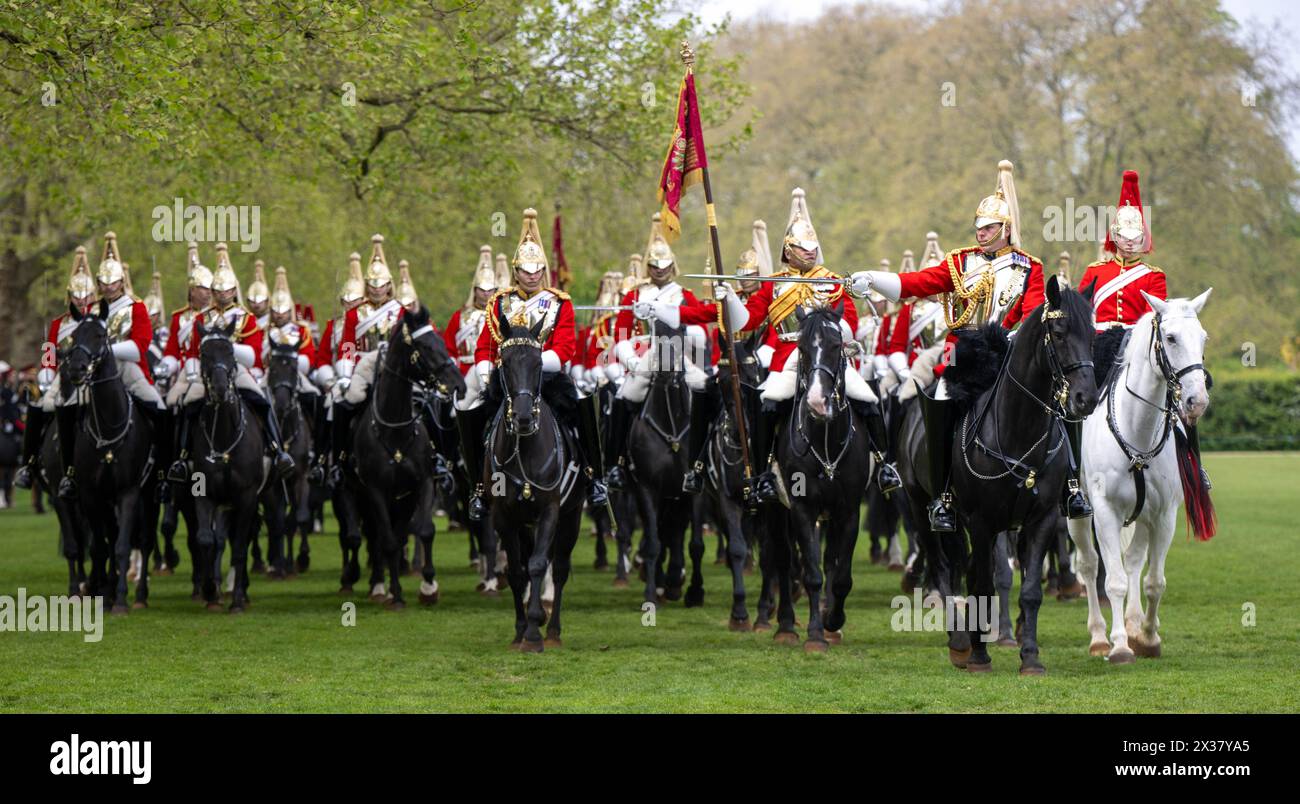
<point x="657" y="449"/>
<point x="538" y="490"/>
<point x="229" y="474"/>
<point x="724" y="480"/>
<point x="392" y="469"/>
<point x="282" y="379"/>
<point x="1009" y="445"/>
<point x="825" y="460"/>
<point x="113" y="460"/>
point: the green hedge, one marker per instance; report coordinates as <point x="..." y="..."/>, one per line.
<point x="1253" y="411"/>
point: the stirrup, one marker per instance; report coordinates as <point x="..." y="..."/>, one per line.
<point x="693" y="482"/>
<point x="163" y="491"/>
<point x="615" y="478"/>
<point x="67" y="488"/>
<point x="283" y="464"/>
<point x="178" y="472"/>
<point x="941" y="514"/>
<point x="887" y="476"/>
<point x="1074" y="505"/>
<point x="1205" y="479"/>
<point x="597" y="494"/>
<point x="23" y="478"/>
<point x="761" y="488"/>
<point x="476" y="509"/>
<point x="316" y="474"/>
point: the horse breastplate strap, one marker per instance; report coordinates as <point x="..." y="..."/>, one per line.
<point x="119" y="319"/>
<point x="375" y="324"/>
<point x="788" y="298"/>
<point x="543" y="306"/>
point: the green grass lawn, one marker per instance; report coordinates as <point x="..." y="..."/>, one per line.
<point x="290" y="652"/>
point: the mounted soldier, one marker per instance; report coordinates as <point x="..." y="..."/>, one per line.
<point x="600" y="333"/>
<point x="658" y="298"/>
<point x="324" y="374"/>
<point x="258" y="297"/>
<point x="466" y="323"/>
<point x="81" y="295"/>
<point x="782" y="305"/>
<point x="529" y="302"/>
<point x="284" y="329"/>
<point x="226" y="310"/>
<point x="994" y="281"/>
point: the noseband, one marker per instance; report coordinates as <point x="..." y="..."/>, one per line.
<point x="1060" y="372"/>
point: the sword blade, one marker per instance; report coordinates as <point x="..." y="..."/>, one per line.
<point x="803" y="280"/>
<point x="602" y="307"/>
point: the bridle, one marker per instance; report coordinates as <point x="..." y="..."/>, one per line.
<point x="288" y="361"/>
<point x="210" y="402"/>
<point x="839" y="400"/>
<point x="94" y="426"/>
<point x="1060" y="372"/>
<point x="528" y="484"/>
<point x="533" y="394"/>
<point x="666" y="382"/>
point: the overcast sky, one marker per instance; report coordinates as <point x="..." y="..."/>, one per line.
<point x="1278" y="14"/>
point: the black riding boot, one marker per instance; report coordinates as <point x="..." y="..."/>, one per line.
<point x="320" y="437"/>
<point x="886" y="475"/>
<point x="589" y="439"/>
<point x="66" y="420"/>
<point x="179" y="471"/>
<point x="702" y="415"/>
<point x="621" y="414"/>
<point x="471" y="426"/>
<point x="281" y="461"/>
<point x="161" y="422"/>
<point x="762" y="487"/>
<point x="939" y="423"/>
<point x="1074" y="505"/>
<point x="340" y="440"/>
<point x="36" y="420"/>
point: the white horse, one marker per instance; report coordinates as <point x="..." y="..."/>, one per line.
<point x="1159" y="378"/>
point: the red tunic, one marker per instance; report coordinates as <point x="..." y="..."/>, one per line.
<point x="449" y="339"/>
<point x="325" y="349"/>
<point x="628" y="326"/>
<point x="761" y="300"/>
<point x="248" y="333"/>
<point x="1125" y="304"/>
<point x="561" y="339"/>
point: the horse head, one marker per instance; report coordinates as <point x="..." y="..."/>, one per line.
<point x="1067" y="321"/>
<point x="1178" y="352"/>
<point x="416" y="345"/>
<point x="750" y="371"/>
<point x="90" y="346"/>
<point x="821" y="361"/>
<point x="282" y="376"/>
<point x="521" y="375"/>
<point x="217" y="364"/>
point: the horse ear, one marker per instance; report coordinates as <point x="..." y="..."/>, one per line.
<point x="839" y="307"/>
<point x="1091" y="289"/>
<point x="1199" y="302"/>
<point x="230" y="328"/>
<point x="536" y="329"/>
<point x="800" y="314"/>
<point x="1053" y="293"/>
<point x="503" y="321"/>
<point x="103" y="309"/>
<point x="74" y="312"/>
<point x="1159" y="305"/>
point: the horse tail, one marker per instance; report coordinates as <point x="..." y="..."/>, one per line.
<point x="1201" y="519"/>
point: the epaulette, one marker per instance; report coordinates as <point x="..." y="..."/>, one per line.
<point x="1097" y="263"/>
<point x="1152" y="267"/>
<point x="559" y="293"/>
<point x="179" y="310"/>
<point x="494" y="327"/>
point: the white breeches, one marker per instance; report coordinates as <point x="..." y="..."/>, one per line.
<point x="474" y="388"/>
<point x="637" y="382"/>
<point x="922" y="372"/>
<point x="184" y="390"/>
<point x="362" y="378"/>
<point x="132" y="377"/>
<point x="780" y="385"/>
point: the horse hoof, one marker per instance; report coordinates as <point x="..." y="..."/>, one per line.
<point x="345" y="591"/>
<point x="620" y="583"/>
<point x="164" y="572"/>
<point x="528" y="646"/>
<point x="672" y="593"/>
<point x="762" y="626"/>
<point x="835" y="637"/>
<point x="907" y="584"/>
<point x="959" y="658"/>
<point x="394" y="605"/>
<point x="1121" y="656"/>
<point x="304" y="564"/>
<point x="196" y="597"/>
<point x="214" y="606"/>
<point x="694" y="598"/>
<point x="552" y="642"/>
<point x="1101" y="648"/>
<point x="139" y="605"/>
<point x="738" y="625"/>
<point x="785" y="638"/>
<point x="378" y="598"/>
<point x="1072" y="592"/>
<point x="1147" y="651"/>
<point x="984" y="667"/>
<point x="430" y="599"/>
<point x="894" y="567"/>
<point x="1007" y="642"/>
<point x="600" y="564"/>
<point x="258" y="566"/>
<point x="1033" y="670"/>
<point x="517" y="645"/>
<point x="490" y="592"/>
<point x="236" y="609"/>
<point x="815" y="646"/>
<point x="120" y="609"/>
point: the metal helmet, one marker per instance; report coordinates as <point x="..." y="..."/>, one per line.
<point x="377" y="273"/>
<point x="354" y="287"/>
<point x="257" y="289"/>
<point x="81" y="285"/>
<point x="281" y="299"/>
<point x="110" y="266"/>
<point x="406" y="295"/>
<point x="1002" y="207"/>
<point x="530" y="257"/>
<point x="197" y="275"/>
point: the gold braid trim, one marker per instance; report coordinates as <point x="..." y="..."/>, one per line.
<point x="970" y="298"/>
<point x="493" y="325"/>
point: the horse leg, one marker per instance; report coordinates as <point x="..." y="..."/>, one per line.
<point x="782" y="563"/>
<point x="125" y="514"/>
<point x="1108" y="525"/>
<point x="1081" y="535"/>
<point x="649" y="544"/>
<point x="1003" y="579"/>
<point x="147" y="536"/>
<point x="302" y="516"/>
<point x="1146" y="642"/>
<point x="241" y="526"/>
<point x="566" y="536"/>
<point x="538" y="563"/>
<point x="518" y="573"/>
<point x="844" y="543"/>
<point x="979" y="584"/>
<point x="425" y="530"/>
<point x="695" y="592"/>
<point x="813" y="577"/>
<point x="1036" y="540"/>
<point x="731" y="526"/>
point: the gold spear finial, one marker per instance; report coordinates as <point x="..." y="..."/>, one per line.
<point x="688" y="55"/>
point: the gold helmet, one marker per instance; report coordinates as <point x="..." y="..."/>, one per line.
<point x="197" y="275"/>
<point x="1063" y="268"/>
<point x="223" y="278"/>
<point x="799" y="230"/>
<point x="354" y="287"/>
<point x="747" y="264"/>
<point x="110" y="266"/>
<point x="635" y="274"/>
<point x="377" y="274"/>
<point x="281" y="298"/>
<point x="530" y="257"/>
<point x="933" y="255"/>
<point x="257" y="289"/>
<point x="485" y="276"/>
<point x="1002" y="207"/>
<point x="154" y="301"/>
<point x="658" y="254"/>
<point x="406" y="295"/>
<point x="908" y="265"/>
<point x="503" y="271"/>
<point x="81" y="285"/>
<point x="610" y="285"/>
